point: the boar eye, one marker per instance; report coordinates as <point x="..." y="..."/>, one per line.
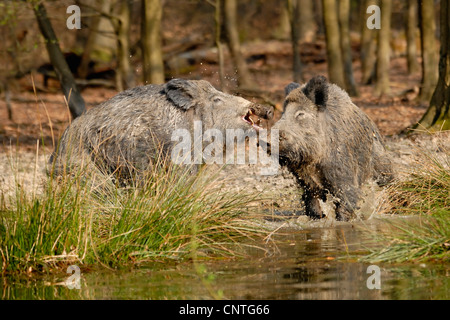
<point x="299" y="114"/>
<point x="217" y="100"/>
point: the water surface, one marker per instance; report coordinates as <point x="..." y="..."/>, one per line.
<point x="313" y="263"/>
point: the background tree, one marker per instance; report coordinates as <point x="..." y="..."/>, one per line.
<point x="152" y="56"/>
<point x="318" y="14"/>
<point x="232" y="36"/>
<point x="218" y="40"/>
<point x="102" y="29"/>
<point x="429" y="58"/>
<point x="344" y="19"/>
<point x="411" y="31"/>
<point x="114" y="42"/>
<point x="69" y="87"/>
<point x="437" y="117"/>
<point x="384" y="51"/>
<point x="334" y="55"/>
<point x="294" y="9"/>
<point x="283" y="28"/>
<point x="89" y="44"/>
<point x="124" y="74"/>
<point x="308" y="28"/>
<point x="368" y="45"/>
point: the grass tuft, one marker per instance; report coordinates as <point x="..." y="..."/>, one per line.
<point x="426" y="240"/>
<point x="171" y="214"/>
<point x="425" y="193"/>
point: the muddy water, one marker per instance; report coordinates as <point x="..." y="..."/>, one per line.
<point x="311" y="263"/>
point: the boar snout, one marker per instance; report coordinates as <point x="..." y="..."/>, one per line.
<point x="259" y="116"/>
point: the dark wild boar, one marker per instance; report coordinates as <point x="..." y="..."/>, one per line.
<point x="331" y="146"/>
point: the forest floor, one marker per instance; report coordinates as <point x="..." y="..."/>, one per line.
<point x="40" y="115"/>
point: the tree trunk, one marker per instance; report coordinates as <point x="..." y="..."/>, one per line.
<point x="73" y="96"/>
<point x="308" y="24"/>
<point x="152" y="57"/>
<point x="230" y="14"/>
<point x="83" y="68"/>
<point x="411" y="29"/>
<point x="344" y="18"/>
<point x="383" y="53"/>
<point x="105" y="44"/>
<point x="294" y="19"/>
<point x="124" y="74"/>
<point x="429" y="59"/>
<point x="218" y="40"/>
<point x="334" y="55"/>
<point x="318" y="17"/>
<point x="368" y="46"/>
<point x="437" y="117"/>
<point x="282" y="31"/>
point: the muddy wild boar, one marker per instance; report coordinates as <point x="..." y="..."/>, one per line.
<point x="331" y="146"/>
<point x="124" y="133"/>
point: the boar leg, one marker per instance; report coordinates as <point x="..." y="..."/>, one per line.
<point x="310" y="199"/>
<point x="347" y="205"/>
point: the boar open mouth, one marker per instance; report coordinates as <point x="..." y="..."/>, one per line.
<point x="250" y="120"/>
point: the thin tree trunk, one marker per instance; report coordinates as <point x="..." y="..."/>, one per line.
<point x="368" y="46"/>
<point x="73" y="96"/>
<point x="318" y="16"/>
<point x="282" y="31"/>
<point x="105" y="43"/>
<point x="230" y="13"/>
<point x="437" y="117"/>
<point x="429" y="59"/>
<point x="219" y="44"/>
<point x="124" y="74"/>
<point x="152" y="57"/>
<point x="307" y="21"/>
<point x="83" y="68"/>
<point x="334" y="55"/>
<point x="382" y="86"/>
<point x="411" y="29"/>
<point x="294" y="19"/>
<point x="344" y="18"/>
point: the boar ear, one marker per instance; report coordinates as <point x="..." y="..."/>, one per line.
<point x="317" y="91"/>
<point x="291" y="86"/>
<point x="181" y="93"/>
